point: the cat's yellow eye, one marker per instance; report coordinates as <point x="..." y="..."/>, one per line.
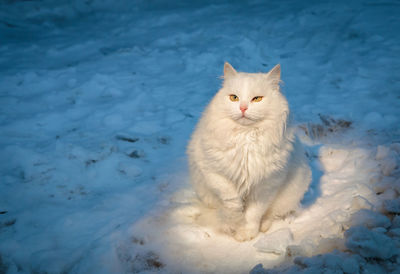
<point x="233" y="98"/>
<point x="257" y="99"/>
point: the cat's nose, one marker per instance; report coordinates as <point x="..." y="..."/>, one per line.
<point x="243" y="109"/>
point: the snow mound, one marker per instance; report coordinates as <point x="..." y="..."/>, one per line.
<point x="371" y="239"/>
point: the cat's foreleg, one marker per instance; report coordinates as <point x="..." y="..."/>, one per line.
<point x="231" y="209"/>
<point x="254" y="213"/>
<point x="206" y="195"/>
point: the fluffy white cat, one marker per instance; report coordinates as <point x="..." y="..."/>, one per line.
<point x="244" y="161"/>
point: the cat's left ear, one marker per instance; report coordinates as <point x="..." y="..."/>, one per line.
<point x="275" y="73"/>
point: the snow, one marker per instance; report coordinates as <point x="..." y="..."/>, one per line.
<point x="98" y="101"/>
<point x="370" y="219"/>
<point x="370" y="243"/>
<point x="275" y="242"/>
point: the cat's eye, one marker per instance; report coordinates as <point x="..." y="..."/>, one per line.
<point x="257" y="99"/>
<point x="233" y="98"/>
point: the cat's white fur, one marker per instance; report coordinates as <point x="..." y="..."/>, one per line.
<point x="251" y="169"/>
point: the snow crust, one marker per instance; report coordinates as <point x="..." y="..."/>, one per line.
<point x="98" y="101"/>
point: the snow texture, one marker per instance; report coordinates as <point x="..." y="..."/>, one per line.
<point x="98" y="101"/>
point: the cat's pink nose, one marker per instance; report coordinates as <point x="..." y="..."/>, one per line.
<point x="243" y="109"/>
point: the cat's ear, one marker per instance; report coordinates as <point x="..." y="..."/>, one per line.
<point x="229" y="70"/>
<point x="275" y="73"/>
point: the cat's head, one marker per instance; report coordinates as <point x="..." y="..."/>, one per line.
<point x="250" y="98"/>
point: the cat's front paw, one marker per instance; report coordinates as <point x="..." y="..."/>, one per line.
<point x="227" y="229"/>
<point x="245" y="233"/>
<point x="265" y="225"/>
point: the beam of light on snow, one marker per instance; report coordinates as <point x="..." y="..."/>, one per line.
<point x="184" y="235"/>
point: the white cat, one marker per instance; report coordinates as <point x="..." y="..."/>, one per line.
<point x="243" y="159"/>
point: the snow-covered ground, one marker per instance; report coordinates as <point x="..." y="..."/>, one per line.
<point x="98" y="101"/>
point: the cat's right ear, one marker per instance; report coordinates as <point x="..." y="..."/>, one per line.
<point x="229" y="70"/>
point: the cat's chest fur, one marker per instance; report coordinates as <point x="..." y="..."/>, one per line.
<point x="247" y="157"/>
